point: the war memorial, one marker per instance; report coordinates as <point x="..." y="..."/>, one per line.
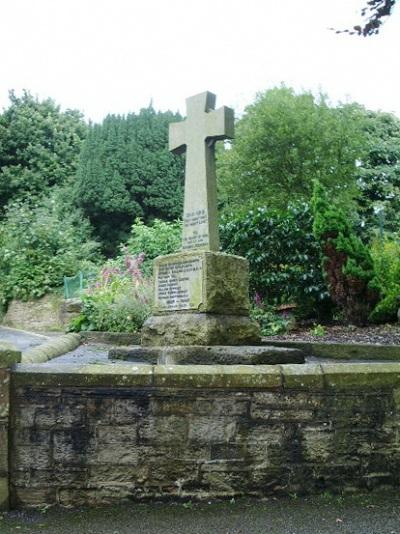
<point x="203" y="408"/>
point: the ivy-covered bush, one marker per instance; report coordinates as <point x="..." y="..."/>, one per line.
<point x="157" y="239"/>
<point x="119" y="299"/>
<point x="386" y="257"/>
<point x="283" y="254"/>
<point x="347" y="262"/>
<point x="40" y="245"/>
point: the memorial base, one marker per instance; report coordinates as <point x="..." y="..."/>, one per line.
<point x="208" y="355"/>
<point x="199" y="329"/>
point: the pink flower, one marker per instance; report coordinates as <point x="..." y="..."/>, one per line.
<point x="258" y="300"/>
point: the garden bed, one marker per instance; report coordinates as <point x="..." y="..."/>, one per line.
<point x="388" y="334"/>
<point x="377" y="343"/>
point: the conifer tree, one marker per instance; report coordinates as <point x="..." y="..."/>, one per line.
<point x="347" y="262"/>
<point x="125" y="172"/>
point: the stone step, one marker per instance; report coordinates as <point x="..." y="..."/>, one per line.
<point x="207" y="355"/>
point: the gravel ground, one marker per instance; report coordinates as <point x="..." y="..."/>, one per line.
<point x="376" y="335"/>
<point x="362" y="514"/>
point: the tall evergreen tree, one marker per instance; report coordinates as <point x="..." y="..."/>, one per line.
<point x="39" y="147"/>
<point x="126" y="171"/>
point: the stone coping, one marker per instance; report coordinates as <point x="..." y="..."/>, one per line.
<point x="51" y="349"/>
<point x="341" y="351"/>
<point x="313" y="376"/>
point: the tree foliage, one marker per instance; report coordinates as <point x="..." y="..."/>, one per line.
<point x="374" y="13"/>
<point x="157" y="239"/>
<point x="126" y="172"/>
<point x="347" y="262"/>
<point x="39" y="147"/>
<point x="283" y="254"/>
<point x="379" y="171"/>
<point x="39" y="246"/>
<point x="283" y="142"/>
<point x="385" y="253"/>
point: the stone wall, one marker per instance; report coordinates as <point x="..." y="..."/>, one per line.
<point x="102" y="433"/>
<point x="41" y="315"/>
<point x="8" y="356"/>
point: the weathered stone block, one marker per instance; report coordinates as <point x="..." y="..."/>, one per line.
<point x="3" y="448"/>
<point x="27" y="457"/>
<point x="115" y="454"/>
<point x="72" y="446"/>
<point x="201" y="281"/>
<point x="212" y="429"/>
<point x="171" y="429"/>
<point x="8" y="354"/>
<point x="4" y="493"/>
<point x="303" y="376"/>
<point x="116" y="434"/>
<point x="199" y="329"/>
<point x="209" y="355"/>
<point x="127" y="410"/>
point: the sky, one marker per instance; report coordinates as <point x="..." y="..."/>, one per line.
<point x="117" y="56"/>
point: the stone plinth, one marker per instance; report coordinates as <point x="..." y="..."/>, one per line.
<point x="201" y="298"/>
<point x="208" y="355"/>
<point x="201" y="281"/>
<point x="199" y="329"/>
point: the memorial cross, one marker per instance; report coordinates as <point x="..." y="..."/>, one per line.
<point x="197" y="135"/>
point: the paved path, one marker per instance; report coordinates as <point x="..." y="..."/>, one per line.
<point x="86" y="353"/>
<point x="90" y="352"/>
<point x="22" y="340"/>
<point x="362" y="514"/>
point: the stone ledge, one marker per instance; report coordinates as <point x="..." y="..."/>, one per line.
<point x="342" y="351"/>
<point x="311" y="377"/>
<point x="361" y="375"/>
<point x="208" y="355"/>
<point x="114" y="338"/>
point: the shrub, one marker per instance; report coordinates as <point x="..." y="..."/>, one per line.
<point x="271" y="323"/>
<point x="347" y="262"/>
<point x="157" y="239"/>
<point x="38" y="246"/>
<point x="386" y="257"/>
<point x="283" y="254"/>
<point x="118" y="300"/>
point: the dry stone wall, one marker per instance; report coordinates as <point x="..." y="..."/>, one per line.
<point x="104" y="433"/>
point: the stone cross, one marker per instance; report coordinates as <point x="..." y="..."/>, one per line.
<point x="197" y="135"/>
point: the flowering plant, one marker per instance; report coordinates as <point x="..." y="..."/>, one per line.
<point x="119" y="299"/>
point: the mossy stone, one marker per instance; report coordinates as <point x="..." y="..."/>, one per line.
<point x="9" y="354"/>
<point x="199" y="329"/>
<point x="213" y="282"/>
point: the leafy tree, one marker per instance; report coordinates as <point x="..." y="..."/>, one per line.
<point x="374" y="12"/>
<point x="282" y="143"/>
<point x="157" y="239"/>
<point x="125" y="172"/>
<point x="347" y="262"/>
<point x="385" y="253"/>
<point x="283" y="254"/>
<point x="379" y="171"/>
<point x="39" y="147"/>
<point x="39" y="245"/>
